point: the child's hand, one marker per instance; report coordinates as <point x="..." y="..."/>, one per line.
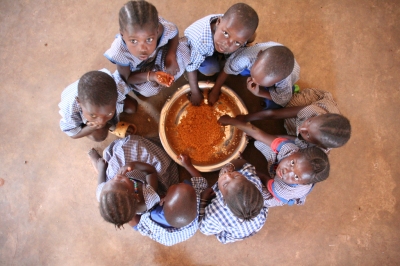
<point x="171" y="65"/>
<point x="95" y="125"/>
<point x="213" y="96"/>
<point x="225" y="120"/>
<point x="185" y="159"/>
<point x="124" y="169"/>
<point x="196" y="97"/>
<point x="242" y="118"/>
<point x="163" y="78"/>
<point x="207" y="194"/>
<point x="253" y="87"/>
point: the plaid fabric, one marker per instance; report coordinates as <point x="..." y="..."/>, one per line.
<point x="72" y="117"/>
<point x="200" y="40"/>
<point x="245" y="57"/>
<point x="136" y="148"/>
<point x="288" y="192"/>
<point x="221" y="222"/>
<point x="172" y="236"/>
<point x="120" y="55"/>
<point x="316" y="102"/>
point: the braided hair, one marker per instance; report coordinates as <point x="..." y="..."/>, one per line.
<point x="335" y="130"/>
<point x="97" y="88"/>
<point x="117" y="206"/>
<point x="245" y="201"/>
<point x="278" y="61"/>
<point x="319" y="163"/>
<point x="244" y="14"/>
<point x="137" y="13"/>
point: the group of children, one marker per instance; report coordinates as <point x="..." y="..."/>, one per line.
<point x="138" y="183"/>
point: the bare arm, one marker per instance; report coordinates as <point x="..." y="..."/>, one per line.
<point x="196" y="94"/>
<point x="216" y="90"/>
<point x="138" y="77"/>
<point x="145" y="168"/>
<point x="282" y="113"/>
<point x="248" y="128"/>
<point x="170" y="60"/>
<point x="187" y="163"/>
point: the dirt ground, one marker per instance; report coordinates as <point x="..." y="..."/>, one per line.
<point x="48" y="211"/>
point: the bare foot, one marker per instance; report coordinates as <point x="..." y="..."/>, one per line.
<point x="96" y="160"/>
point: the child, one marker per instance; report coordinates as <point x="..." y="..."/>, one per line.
<point x="238" y="210"/>
<point x="132" y="174"/>
<point x="313" y="117"/>
<point x="272" y="72"/>
<point x="91" y="106"/>
<point x="147" y="50"/>
<point x="216" y="35"/>
<point x="293" y="171"/>
<point x="175" y="219"/>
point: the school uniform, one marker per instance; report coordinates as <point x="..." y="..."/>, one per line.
<point x="243" y="60"/>
<point x="218" y="219"/>
<point x="154" y="225"/>
<point x="72" y="120"/>
<point x="279" y="193"/>
<point x="316" y="102"/>
<point x="200" y="40"/>
<point x="120" y="55"/>
<point x="136" y="148"/>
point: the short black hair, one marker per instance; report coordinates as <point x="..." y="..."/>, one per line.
<point x="278" y="61"/>
<point x="319" y="162"/>
<point x="245" y="201"/>
<point x="182" y="210"/>
<point x="137" y="13"/>
<point x="97" y="88"/>
<point x="117" y="206"/>
<point x="244" y="14"/>
<point x="335" y="130"/>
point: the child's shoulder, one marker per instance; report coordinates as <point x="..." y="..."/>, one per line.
<point x="201" y="24"/>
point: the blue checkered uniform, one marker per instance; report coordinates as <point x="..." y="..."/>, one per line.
<point x="72" y="119"/>
<point x="136" y="148"/>
<point x="220" y="221"/>
<point x="200" y="40"/>
<point x="296" y="193"/>
<point x="245" y="57"/>
<point x="120" y="55"/>
<point x="172" y="236"/>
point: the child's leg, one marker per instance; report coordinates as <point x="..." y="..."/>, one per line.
<point x="210" y="66"/>
<point x="100" y="134"/>
<point x="95" y="159"/>
<point x="130" y="105"/>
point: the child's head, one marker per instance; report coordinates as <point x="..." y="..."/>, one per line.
<point x="118" y="203"/>
<point x="242" y="196"/>
<point x="326" y="130"/>
<point x="97" y="96"/>
<point x="306" y="166"/>
<point x="180" y="205"/>
<point x="272" y="65"/>
<point x="138" y="24"/>
<point x="235" y="28"/>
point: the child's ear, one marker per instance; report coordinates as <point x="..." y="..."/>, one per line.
<point x="77" y="100"/>
<point x="218" y="21"/>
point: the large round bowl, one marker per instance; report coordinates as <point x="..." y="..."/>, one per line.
<point x="232" y="144"/>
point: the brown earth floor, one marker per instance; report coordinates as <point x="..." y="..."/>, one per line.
<point x="48" y="211"/>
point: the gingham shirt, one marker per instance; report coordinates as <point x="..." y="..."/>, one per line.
<point x="172" y="236"/>
<point x="286" y="191"/>
<point x="136" y="148"/>
<point x="120" y="55"/>
<point x="316" y="102"/>
<point x="220" y="221"/>
<point x="244" y="59"/>
<point x="72" y="117"/>
<point x="200" y="40"/>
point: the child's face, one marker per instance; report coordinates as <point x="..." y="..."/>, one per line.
<point x="97" y="115"/>
<point x="120" y="182"/>
<point x="309" y="130"/>
<point x="230" y="35"/>
<point x="140" y="41"/>
<point x="294" y="169"/>
<point x="228" y="181"/>
<point x="259" y="77"/>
